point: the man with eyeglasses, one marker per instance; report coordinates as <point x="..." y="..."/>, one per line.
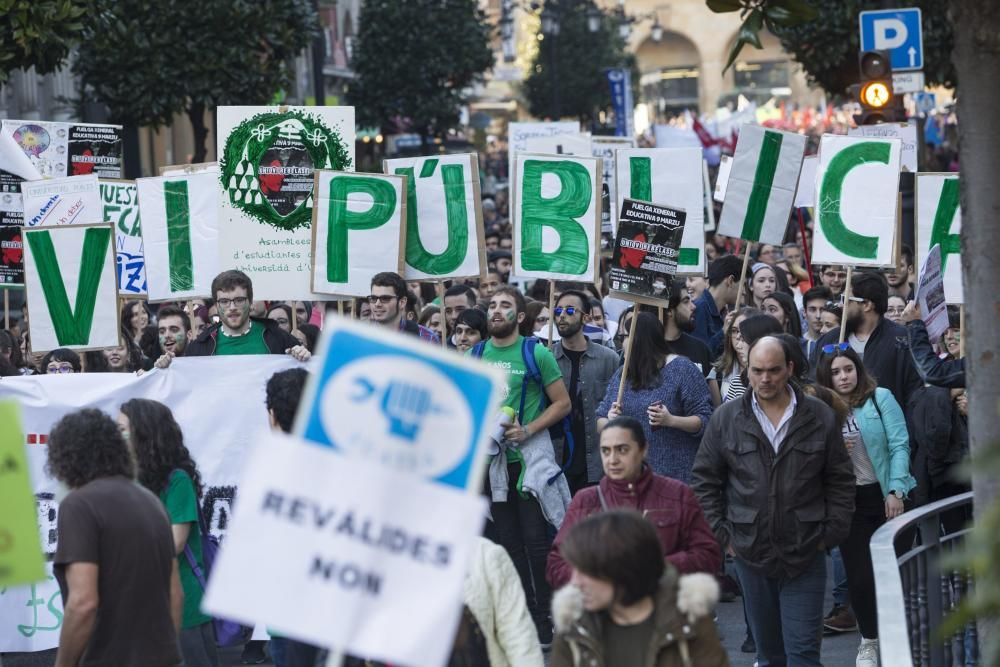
<point x="881" y="343"/>
<point x="833" y="277"/>
<point x="388" y="304"/>
<point x="589" y="367"/>
<point x="237" y="332"/>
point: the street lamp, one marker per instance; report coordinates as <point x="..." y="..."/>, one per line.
<point x="594" y="16"/>
<point x="656" y="32"/>
<point x="550" y="21"/>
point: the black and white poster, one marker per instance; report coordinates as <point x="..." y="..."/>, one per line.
<point x="646" y="249"/>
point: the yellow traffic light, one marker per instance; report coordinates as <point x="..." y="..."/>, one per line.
<point x="876" y="94"/>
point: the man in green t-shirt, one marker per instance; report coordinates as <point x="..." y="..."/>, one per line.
<point x="527" y="489"/>
<point x="237" y="332"/>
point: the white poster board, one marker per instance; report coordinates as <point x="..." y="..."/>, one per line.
<point x="72" y="289"/>
<point x="518" y="135"/>
<point x="120" y="202"/>
<point x="905" y="132"/>
<point x="939" y="222"/>
<point x="267" y="156"/>
<point x="180" y="233"/>
<point x="805" y="194"/>
<point x="670" y="177"/>
<point x="556" y="216"/>
<point x="444" y="216"/>
<point x="761" y="185"/>
<point x="71" y="200"/>
<point x="561" y="144"/>
<point x="857" y="201"/>
<point x="359" y="229"/>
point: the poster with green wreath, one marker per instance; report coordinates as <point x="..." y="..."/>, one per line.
<point x="267" y="156"/>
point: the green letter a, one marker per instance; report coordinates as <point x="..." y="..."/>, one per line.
<point x="72" y="325"/>
<point x="340" y="220"/>
<point x="559" y="213"/>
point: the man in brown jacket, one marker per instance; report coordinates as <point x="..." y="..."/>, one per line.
<point x="777" y="487"/>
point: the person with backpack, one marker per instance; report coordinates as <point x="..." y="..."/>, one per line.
<point x="877" y="439"/>
<point x="528" y="492"/>
<point x="165" y="467"/>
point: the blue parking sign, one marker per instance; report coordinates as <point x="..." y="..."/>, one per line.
<point x="897" y="31"/>
<point x="401" y="402"/>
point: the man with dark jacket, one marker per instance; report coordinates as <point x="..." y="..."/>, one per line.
<point x="723" y="288"/>
<point x="777" y="487"/>
<point x="881" y="343"/>
<point x="237" y="332"/>
<point x="388" y="303"/>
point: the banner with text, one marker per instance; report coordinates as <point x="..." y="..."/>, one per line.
<point x="74" y="200"/>
<point x="72" y="288"/>
<point x="444" y="216"/>
<point x="359" y="229"/>
<point x="939" y="222"/>
<point x="673" y="177"/>
<point x="30" y="616"/>
<point x="647" y="247"/>
<point x="761" y="185"/>
<point x="267" y="159"/>
<point x="857" y="197"/>
<point x="120" y="200"/>
<point x="180" y="235"/>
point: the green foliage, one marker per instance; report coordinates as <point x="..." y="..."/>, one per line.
<point x="37" y="33"/>
<point x="822" y="36"/>
<point x="577" y="80"/>
<point x="415" y="61"/>
<point x="149" y="61"/>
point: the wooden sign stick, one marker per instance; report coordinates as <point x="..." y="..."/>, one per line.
<point x="743" y="277"/>
<point x="552" y="308"/>
<point x="847" y="300"/>
<point x="444" y="322"/>
<point x="961" y="329"/>
<point x="6" y="309"/>
<point x="628" y="352"/>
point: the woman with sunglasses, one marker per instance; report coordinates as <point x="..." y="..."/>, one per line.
<point x="876" y="437"/>
<point x="667" y="394"/>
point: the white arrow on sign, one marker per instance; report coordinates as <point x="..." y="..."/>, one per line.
<point x="913" y="56"/>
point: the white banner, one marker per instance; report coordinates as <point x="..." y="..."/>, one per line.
<point x="939" y="222"/>
<point x="444" y="216"/>
<point x="267" y="157"/>
<point x="669" y="177"/>
<point x="180" y="233"/>
<point x="219" y="404"/>
<point x="359" y="230"/>
<point x="857" y="201"/>
<point x="73" y="200"/>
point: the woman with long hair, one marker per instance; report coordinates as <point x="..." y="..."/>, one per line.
<point x="733" y="360"/>
<point x="165" y="467"/>
<point x="135" y="319"/>
<point x="431" y="318"/>
<point x="762" y="282"/>
<point x="782" y="307"/>
<point x="876" y="438"/>
<point x="536" y="317"/>
<point x="667" y="394"/>
<point x="282" y="314"/>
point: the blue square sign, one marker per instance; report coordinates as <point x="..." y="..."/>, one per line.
<point x="896" y="31"/>
<point x="401" y="402"/>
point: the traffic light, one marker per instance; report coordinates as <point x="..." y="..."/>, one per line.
<point x="878" y="103"/>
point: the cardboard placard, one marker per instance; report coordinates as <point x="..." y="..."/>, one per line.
<point x="939" y="222"/>
<point x="646" y="251"/>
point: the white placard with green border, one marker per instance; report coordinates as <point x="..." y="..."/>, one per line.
<point x="359" y="229"/>
<point x="857" y="197"/>
<point x="120" y="201"/>
<point x="672" y="177"/>
<point x="72" y="290"/>
<point x="444" y="216"/>
<point x="556" y="216"/>
<point x="267" y="156"/>
<point x="939" y="222"/>
<point x="180" y="232"/>
<point x="761" y="184"/>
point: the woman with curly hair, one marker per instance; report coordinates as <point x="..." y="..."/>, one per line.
<point x="165" y="467"/>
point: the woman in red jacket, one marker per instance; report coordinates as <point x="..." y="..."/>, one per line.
<point x="628" y="483"/>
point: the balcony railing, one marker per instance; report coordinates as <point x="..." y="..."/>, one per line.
<point x="914" y="593"/>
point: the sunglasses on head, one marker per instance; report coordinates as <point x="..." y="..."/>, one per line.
<point x="833" y="347"/>
<point x="569" y="310"/>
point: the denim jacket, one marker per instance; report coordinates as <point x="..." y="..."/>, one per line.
<point x="597" y="366"/>
<point x="886" y="441"/>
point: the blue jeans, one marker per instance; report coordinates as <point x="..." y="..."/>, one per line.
<point x="839" y="579"/>
<point x="287" y="652"/>
<point x="786" y="615"/>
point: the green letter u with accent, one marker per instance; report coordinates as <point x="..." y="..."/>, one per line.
<point x="560" y="213"/>
<point x="341" y="220"/>
<point x="72" y="324"/>
<point x="417" y="255"/>
<point x="831" y="190"/>
<point x="640" y="171"/>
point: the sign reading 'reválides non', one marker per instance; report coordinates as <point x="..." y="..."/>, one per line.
<point x="359" y="230"/>
<point x="673" y="177"/>
<point x="761" y="186"/>
<point x="647" y="247"/>
<point x="857" y="188"/>
<point x="267" y="156"/>
<point x="180" y="234"/>
<point x="373" y="509"/>
<point x="72" y="288"/>
<point x="939" y="222"/>
<point x="444" y="228"/>
<point x="556" y="216"/>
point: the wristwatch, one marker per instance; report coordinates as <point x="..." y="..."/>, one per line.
<point x="898" y="494"/>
